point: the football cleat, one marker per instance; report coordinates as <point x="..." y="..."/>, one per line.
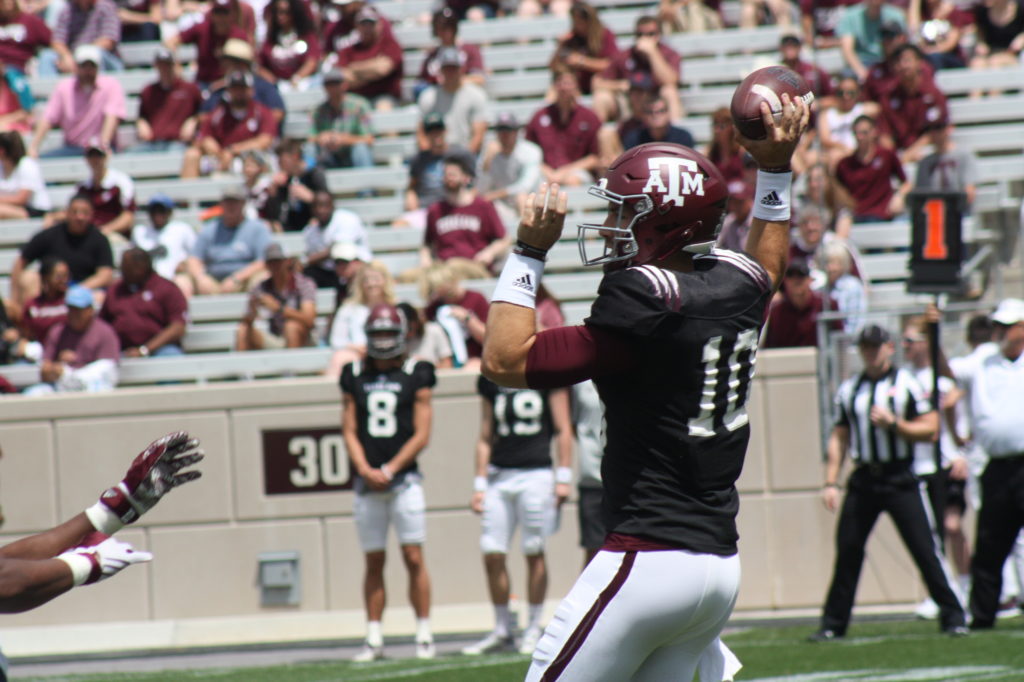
<point x="927" y="610"/>
<point x="492" y="642"/>
<point x="425" y="650"/>
<point x="825" y="635"/>
<point x="369" y="653"/>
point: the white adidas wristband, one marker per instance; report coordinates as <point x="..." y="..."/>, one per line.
<point x="519" y="281"/>
<point x="772" y="197"/>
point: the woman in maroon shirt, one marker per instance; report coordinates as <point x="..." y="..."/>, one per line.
<point x="291" y="53"/>
<point x="47" y="309"/>
<point x="724" y="151"/>
<point x="588" y="48"/>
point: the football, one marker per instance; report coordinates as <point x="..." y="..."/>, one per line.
<point x="765" y="85"/>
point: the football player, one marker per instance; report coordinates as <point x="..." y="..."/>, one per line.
<point x="80" y="551"/>
<point x="386" y="414"/>
<point x="514" y="484"/>
<point x="670" y="343"/>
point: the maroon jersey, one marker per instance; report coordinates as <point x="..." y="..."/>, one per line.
<point x="870" y="184"/>
<point x="907" y="116"/>
<point x="386" y="46"/>
<point x="20" y="38"/>
<point x="462" y="231"/>
<point x="339" y="31"/>
<point x="475" y="303"/>
<point x="629" y="62"/>
<point x="138" y="313"/>
<point x="285" y="57"/>
<point x="97" y="342"/>
<point x="41" y="314"/>
<point x="824" y="14"/>
<point x="676" y="424"/>
<point x="731" y="165"/>
<point x="564" y="142"/>
<point x="817" y="78"/>
<point x="881" y="80"/>
<point x="167" y="109"/>
<point x="470" y="58"/>
<point x="113" y="195"/>
<point x="227" y="128"/>
<point x="209" y="46"/>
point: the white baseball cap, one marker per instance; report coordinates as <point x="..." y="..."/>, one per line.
<point x="88" y="53"/>
<point x="1010" y="311"/>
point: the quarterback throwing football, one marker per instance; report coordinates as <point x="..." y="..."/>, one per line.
<point x="670" y="344"/>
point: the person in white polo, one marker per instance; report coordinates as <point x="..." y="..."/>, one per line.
<point x="995" y="386"/>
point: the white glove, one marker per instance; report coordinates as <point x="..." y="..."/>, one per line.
<point x="91" y="564"/>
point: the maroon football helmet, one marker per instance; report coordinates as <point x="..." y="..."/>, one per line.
<point x="386" y="329"/>
<point x="676" y="197"/>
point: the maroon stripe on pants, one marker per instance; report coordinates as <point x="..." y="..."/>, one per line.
<point x="579" y="635"/>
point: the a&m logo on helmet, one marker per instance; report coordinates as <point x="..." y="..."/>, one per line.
<point x="684" y="177"/>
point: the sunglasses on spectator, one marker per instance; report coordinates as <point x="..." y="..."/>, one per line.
<point x="660" y="110"/>
<point x="646" y="34"/>
<point x="845" y="93"/>
<point x="913" y="339"/>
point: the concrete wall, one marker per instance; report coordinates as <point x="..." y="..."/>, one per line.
<point x="59" y="452"/>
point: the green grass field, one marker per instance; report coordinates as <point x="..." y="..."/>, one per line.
<point x="890" y="651"/>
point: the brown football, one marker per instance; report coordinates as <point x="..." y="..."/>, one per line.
<point x="765" y="85"/>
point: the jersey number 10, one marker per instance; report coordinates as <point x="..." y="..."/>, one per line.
<point x="733" y="380"/>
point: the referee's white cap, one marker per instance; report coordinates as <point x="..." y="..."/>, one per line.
<point x="1010" y="311"/>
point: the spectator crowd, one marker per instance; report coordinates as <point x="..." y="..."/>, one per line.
<point x="882" y="127"/>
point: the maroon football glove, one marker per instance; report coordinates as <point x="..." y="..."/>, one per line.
<point x="152" y="474"/>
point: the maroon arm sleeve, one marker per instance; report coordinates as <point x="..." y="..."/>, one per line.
<point x="569" y="355"/>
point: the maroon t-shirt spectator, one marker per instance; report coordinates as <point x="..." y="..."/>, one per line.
<point x="285" y="60"/>
<point x="208" y="47"/>
<point x="386" y="46"/>
<point x="906" y="117"/>
<point x="462" y="231"/>
<point x="97" y="342"/>
<point x="564" y="143"/>
<point x="227" y="129"/>
<point x="472" y="301"/>
<point x="469" y="55"/>
<point x="574" y="43"/>
<point x="881" y="80"/>
<point x="870" y="184"/>
<point x="339" y="30"/>
<point x="731" y="166"/>
<point x="20" y="38"/>
<point x="41" y="314"/>
<point x="167" y="109"/>
<point x="789" y="327"/>
<point x="824" y="14"/>
<point x="138" y="314"/>
<point x="113" y="195"/>
<point x="631" y="61"/>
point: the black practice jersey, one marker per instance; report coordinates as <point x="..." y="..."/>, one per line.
<point x="384" y="405"/>
<point x="677" y="426"/>
<point x="521" y="437"/>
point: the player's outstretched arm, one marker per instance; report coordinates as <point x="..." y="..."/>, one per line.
<point x="512" y="321"/>
<point x="768" y="241"/>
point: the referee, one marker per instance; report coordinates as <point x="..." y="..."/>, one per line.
<point x="994" y="383"/>
<point x="881" y="413"/>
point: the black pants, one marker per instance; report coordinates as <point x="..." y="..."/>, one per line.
<point x="899" y="493"/>
<point x="937" y="486"/>
<point x="999" y="520"/>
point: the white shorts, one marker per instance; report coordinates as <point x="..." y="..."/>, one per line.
<point x="403" y="506"/>
<point x="645" y="617"/>
<point x="518" y="496"/>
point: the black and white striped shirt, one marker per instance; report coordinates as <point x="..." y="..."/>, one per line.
<point x="899" y="392"/>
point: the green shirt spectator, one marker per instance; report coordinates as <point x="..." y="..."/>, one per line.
<point x="860" y="32"/>
<point x="341" y="127"/>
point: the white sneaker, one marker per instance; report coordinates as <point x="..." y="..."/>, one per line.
<point x="492" y="642"/>
<point x="425" y="650"/>
<point x="927" y="610"/>
<point x="369" y="653"/>
<point x="530" y="638"/>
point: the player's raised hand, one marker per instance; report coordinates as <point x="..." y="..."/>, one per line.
<point x="153" y="473"/>
<point x="101" y="557"/>
<point x="776" y="149"/>
<point x="543" y="218"/>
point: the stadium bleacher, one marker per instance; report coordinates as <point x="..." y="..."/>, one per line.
<point x="516" y="51"/>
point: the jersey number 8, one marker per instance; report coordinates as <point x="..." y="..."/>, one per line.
<point x="381" y="422"/>
<point x="527" y="407"/>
